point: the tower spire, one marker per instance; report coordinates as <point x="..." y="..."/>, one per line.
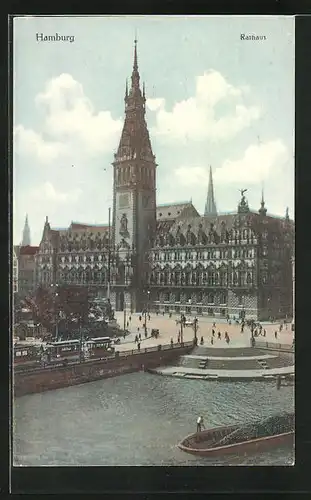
<point x="26" y="233"/>
<point x="135" y="73"/>
<point x="135" y="141"/>
<point x="262" y="210"/>
<point x="126" y="90"/>
<point x="210" y="205"/>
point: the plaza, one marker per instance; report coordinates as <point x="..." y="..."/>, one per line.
<point x="168" y="330"/>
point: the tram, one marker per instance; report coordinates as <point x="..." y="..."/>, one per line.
<point x="63" y="350"/>
<point x="98" y="346"/>
<point x="26" y="354"/>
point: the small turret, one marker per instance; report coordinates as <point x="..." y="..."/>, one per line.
<point x="262" y="210"/>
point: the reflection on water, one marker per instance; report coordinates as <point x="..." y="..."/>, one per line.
<point x="138" y="419"/>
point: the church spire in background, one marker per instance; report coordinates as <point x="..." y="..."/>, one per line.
<point x="262" y="210"/>
<point x="26" y="233"/>
<point x="210" y="205"/>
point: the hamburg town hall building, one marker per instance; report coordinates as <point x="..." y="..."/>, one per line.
<point x="169" y="257"/>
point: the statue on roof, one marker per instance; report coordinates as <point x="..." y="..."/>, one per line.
<point x="243" y="205"/>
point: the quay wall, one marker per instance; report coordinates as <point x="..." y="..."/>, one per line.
<point x="49" y="378"/>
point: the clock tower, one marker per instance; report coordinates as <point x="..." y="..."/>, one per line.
<point x="134" y="195"/>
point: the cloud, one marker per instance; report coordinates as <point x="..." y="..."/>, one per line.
<point x="70" y="124"/>
<point x="29" y="142"/>
<point x="48" y="193"/>
<point x="196" y="118"/>
<point x="258" y="163"/>
<point x="154" y="104"/>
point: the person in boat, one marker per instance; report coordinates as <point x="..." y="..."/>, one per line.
<point x="200" y="424"/>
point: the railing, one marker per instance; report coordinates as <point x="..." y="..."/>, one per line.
<point x="117" y="354"/>
<point x="274" y="345"/>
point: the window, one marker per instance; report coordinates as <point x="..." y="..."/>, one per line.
<point x="223" y="298"/>
<point x="211" y="298"/>
<point x="241" y="300"/>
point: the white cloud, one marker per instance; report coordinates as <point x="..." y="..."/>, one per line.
<point x="196" y="118"/>
<point x="154" y="104"/>
<point x="258" y="163"/>
<point x="71" y="125"/>
<point x="29" y="142"/>
<point x="70" y="115"/>
<point x="49" y="194"/>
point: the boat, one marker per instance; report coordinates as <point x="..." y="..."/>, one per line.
<point x="273" y="431"/>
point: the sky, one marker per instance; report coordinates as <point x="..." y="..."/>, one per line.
<point x="212" y="99"/>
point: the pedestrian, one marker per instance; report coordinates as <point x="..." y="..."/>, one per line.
<point x="139" y="318"/>
<point x="163" y="313"/>
<point x="200" y="424"/>
<point x="202" y="341"/>
<point x="172" y="342"/>
<point x="212" y="340"/>
<point x="278" y="382"/>
<point x="130" y="318"/>
<point x="219" y="335"/>
<point x="138" y="328"/>
<point x="127" y="324"/>
<point x="213" y="332"/>
<point x="124" y="335"/>
<point x="139" y="336"/>
<point x="264" y="332"/>
<point x="138" y="346"/>
<point x="214" y="325"/>
<point x="145" y="333"/>
<point x="280" y="328"/>
<point x="178" y="339"/>
<point x="276" y="334"/>
<point x="149" y="317"/>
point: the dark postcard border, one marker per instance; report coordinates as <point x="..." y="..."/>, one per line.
<point x="203" y="479"/>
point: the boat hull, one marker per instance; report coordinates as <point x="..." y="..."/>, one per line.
<point x="189" y="444"/>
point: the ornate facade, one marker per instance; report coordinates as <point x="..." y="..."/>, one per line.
<point x="168" y="257"/>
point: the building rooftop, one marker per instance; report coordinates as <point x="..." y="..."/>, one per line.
<point x="28" y="250"/>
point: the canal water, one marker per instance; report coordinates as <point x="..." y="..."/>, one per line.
<point x="138" y="419"/>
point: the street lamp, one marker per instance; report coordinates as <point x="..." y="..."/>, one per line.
<point x="147" y="307"/>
